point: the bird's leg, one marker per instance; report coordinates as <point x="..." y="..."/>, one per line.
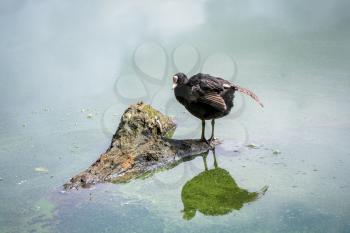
<point x="203" y="131"/>
<point x="215" y="162"/>
<point x="212" y="130"/>
<point x="205" y="161"/>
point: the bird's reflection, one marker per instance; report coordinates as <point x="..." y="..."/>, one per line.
<point x="214" y="192"/>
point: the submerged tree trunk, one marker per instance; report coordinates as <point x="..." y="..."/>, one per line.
<point x="141" y="145"/>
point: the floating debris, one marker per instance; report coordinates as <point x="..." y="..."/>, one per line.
<point x="253" y="146"/>
<point x="22" y="182"/>
<point x="1" y="179"/>
<point x="89" y="116"/>
<point x="131" y="156"/>
<point x="24" y="125"/>
<point x="41" y="169"/>
<point x="276" y="152"/>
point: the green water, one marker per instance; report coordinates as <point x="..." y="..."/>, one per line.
<point x="69" y="69"/>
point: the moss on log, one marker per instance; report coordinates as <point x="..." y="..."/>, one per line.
<point x="141" y="144"/>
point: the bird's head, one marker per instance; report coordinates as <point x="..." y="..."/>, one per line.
<point x="179" y="79"/>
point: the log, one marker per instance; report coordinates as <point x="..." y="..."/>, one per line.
<point x="141" y="145"/>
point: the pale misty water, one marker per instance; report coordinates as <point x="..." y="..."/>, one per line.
<point x="69" y="69"/>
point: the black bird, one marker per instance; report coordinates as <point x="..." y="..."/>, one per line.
<point x="207" y="97"/>
<point x="215" y="192"/>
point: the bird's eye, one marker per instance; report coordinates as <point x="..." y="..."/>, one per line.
<point x="175" y="78"/>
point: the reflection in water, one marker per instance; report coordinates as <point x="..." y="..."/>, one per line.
<point x="214" y="192"/>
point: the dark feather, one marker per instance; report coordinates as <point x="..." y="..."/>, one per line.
<point x="208" y="97"/>
<point x="214" y="100"/>
<point x="206" y="82"/>
<point x="250" y="93"/>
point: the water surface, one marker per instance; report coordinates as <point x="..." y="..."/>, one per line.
<point x="69" y="69"/>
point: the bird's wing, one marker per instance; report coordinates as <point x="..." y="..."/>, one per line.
<point x="214" y="100"/>
<point x="207" y="89"/>
<point x="206" y="82"/>
<point x="250" y="93"/>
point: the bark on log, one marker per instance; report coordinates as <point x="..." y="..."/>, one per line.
<point x="141" y="145"/>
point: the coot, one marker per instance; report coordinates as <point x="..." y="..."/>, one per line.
<point x="207" y="97"/>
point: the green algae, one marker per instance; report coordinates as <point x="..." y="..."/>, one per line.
<point x="46" y="208"/>
<point x="169" y="134"/>
<point x="151" y="112"/>
<point x="39" y="219"/>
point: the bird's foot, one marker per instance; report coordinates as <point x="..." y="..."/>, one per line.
<point x="204" y="140"/>
<point x="209" y="142"/>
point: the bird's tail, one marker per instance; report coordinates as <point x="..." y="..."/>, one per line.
<point x="250" y="93"/>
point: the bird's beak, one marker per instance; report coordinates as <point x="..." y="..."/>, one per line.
<point x="174" y="85"/>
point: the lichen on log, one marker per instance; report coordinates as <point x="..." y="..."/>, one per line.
<point x="141" y="144"/>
